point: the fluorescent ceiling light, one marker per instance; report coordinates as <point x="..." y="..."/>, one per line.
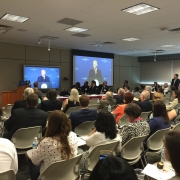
<point x="130" y="39"/>
<point x="140" y="9"/>
<point x="135" y="49"/>
<point x="76" y="29"/>
<point x="99" y="44"/>
<point x="167" y="45"/>
<point x="11" y="17"/>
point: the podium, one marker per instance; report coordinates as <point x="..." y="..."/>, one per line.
<point x="9" y="97"/>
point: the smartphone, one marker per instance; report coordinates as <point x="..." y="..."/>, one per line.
<point x="105" y="153"/>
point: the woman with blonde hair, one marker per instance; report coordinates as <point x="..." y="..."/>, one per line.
<point x="72" y="101"/>
<point x="59" y="143"/>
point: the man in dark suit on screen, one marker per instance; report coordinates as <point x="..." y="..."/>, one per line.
<point x="95" y="74"/>
<point x="43" y="77"/>
<point x="175" y="81"/>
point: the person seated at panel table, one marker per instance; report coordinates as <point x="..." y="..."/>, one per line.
<point x="85" y="88"/>
<point x="72" y="101"/>
<point x="144" y="102"/>
<point x="52" y="103"/>
<point x="119" y="98"/>
<point x="93" y="89"/>
<point x="77" y="86"/>
<point x="136" y="92"/>
<point x="22" y="103"/>
<point x="43" y="77"/>
<point x="119" y="111"/>
<point x="85" y="114"/>
<point x="107" y="100"/>
<point x="103" y="88"/>
<point x="175" y="101"/>
<point x="137" y="126"/>
<point x="59" y="143"/>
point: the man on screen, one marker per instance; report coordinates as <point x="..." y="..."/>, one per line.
<point x="95" y="74"/>
<point x="43" y="77"/>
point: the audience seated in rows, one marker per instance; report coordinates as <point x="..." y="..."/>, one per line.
<point x="113" y="168"/>
<point x="160" y="118"/>
<point x="36" y="92"/>
<point x="155" y="87"/>
<point x="136" y="92"/>
<point x="172" y="149"/>
<point x="107" y="100"/>
<point x="52" y="103"/>
<point x="8" y="156"/>
<point x="103" y="88"/>
<point x="93" y="89"/>
<point x="175" y="101"/>
<point x="158" y="96"/>
<point x="40" y="94"/>
<point x="119" y="111"/>
<point x="22" y="103"/>
<point x="72" y="101"/>
<point x="85" y="88"/>
<point x="59" y="143"/>
<point x="137" y="126"/>
<point x="119" y="97"/>
<point x="161" y="91"/>
<point x="25" y="117"/>
<point x="144" y="103"/>
<point x="85" y="114"/>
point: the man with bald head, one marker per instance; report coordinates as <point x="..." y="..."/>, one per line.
<point x="107" y="100"/>
<point x="144" y="102"/>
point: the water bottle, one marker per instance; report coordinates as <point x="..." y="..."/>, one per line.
<point x="98" y="101"/>
<point x="163" y="159"/>
<point x="109" y="108"/>
<point x="35" y="142"/>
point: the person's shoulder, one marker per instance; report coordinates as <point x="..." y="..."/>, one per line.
<point x="5" y="142"/>
<point x="72" y="134"/>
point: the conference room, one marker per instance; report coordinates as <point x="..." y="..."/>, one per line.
<point x="58" y="43"/>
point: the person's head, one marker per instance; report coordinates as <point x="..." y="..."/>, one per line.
<point x="35" y="90"/>
<point x="43" y="73"/>
<point x="172" y="149"/>
<point x="125" y="82"/>
<point x="126" y="88"/>
<point x="142" y="86"/>
<point x="74" y="95"/>
<point x="86" y="83"/>
<point x="159" y="110"/>
<point x="112" y="168"/>
<point x="121" y="91"/>
<point x="173" y="88"/>
<point x="148" y="88"/>
<point x="133" y="111"/>
<point x="128" y="97"/>
<point x="59" y="127"/>
<point x="109" y="95"/>
<point x="93" y="83"/>
<point x="165" y="85"/>
<point x="145" y="95"/>
<point x="77" y="85"/>
<point x="160" y="90"/>
<point x="51" y="94"/>
<point x="176" y="94"/>
<point x="104" y="83"/>
<point x="176" y="76"/>
<point x="32" y="100"/>
<point x="95" y="64"/>
<point x="28" y="91"/>
<point x="84" y="100"/>
<point x="136" y="89"/>
<point x="35" y="84"/>
<point x="157" y="96"/>
<point x="105" y="123"/>
<point x="155" y="84"/>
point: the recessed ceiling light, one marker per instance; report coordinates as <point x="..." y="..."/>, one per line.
<point x="99" y="44"/>
<point x="140" y="9"/>
<point x="135" y="49"/>
<point x="167" y="45"/>
<point x="11" y="17"/>
<point x="76" y="29"/>
<point x="130" y="39"/>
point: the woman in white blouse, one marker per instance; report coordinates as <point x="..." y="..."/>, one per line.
<point x="175" y="101"/>
<point x="59" y="143"/>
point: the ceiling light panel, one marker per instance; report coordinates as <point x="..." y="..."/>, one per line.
<point x="140" y="9"/>
<point x="167" y="45"/>
<point x="11" y="17"/>
<point x="130" y="39"/>
<point x="76" y="29"/>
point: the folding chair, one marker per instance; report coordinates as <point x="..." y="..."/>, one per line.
<point x="7" y="175"/>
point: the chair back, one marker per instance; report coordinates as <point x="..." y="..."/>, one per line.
<point x="7" y="175"/>
<point x="133" y="148"/>
<point x="166" y="101"/>
<point x="123" y="120"/>
<point x="23" y="138"/>
<point x="62" y="170"/>
<point x="84" y="128"/>
<point x="155" y="141"/>
<point x="176" y="127"/>
<point x="145" y="115"/>
<point x="94" y="155"/>
<point x="93" y="101"/>
<point x="93" y="106"/>
<point x="72" y="109"/>
<point x="7" y="110"/>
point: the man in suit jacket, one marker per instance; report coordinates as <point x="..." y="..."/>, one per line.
<point x="93" y="89"/>
<point x="95" y="74"/>
<point x="103" y="88"/>
<point x="52" y="103"/>
<point x="22" y="103"/>
<point x="175" y="81"/>
<point x="107" y="100"/>
<point x="85" y="88"/>
<point x="84" y="114"/>
<point x="43" y="77"/>
<point x="144" y="103"/>
<point x="25" y="117"/>
<point x="119" y="98"/>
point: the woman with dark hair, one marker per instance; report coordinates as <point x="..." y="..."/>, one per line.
<point x="175" y="101"/>
<point x="172" y="149"/>
<point x="112" y="168"/>
<point x="59" y="143"/>
<point x="137" y="126"/>
<point x="125" y="83"/>
<point x="160" y="118"/>
<point x="155" y="87"/>
<point x="119" y="111"/>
